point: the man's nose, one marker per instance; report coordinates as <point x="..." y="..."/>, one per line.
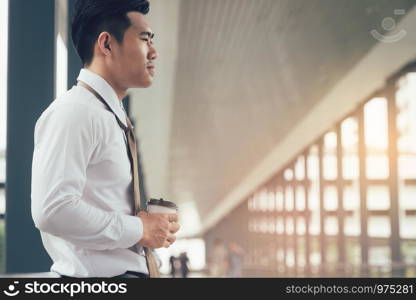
<point x="153" y="53"/>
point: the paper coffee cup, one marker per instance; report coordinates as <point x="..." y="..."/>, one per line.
<point x="160" y="206"/>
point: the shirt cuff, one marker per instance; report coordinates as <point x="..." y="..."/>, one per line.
<point x="132" y="231"/>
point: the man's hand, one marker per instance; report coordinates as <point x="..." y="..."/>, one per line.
<point x="158" y="229"/>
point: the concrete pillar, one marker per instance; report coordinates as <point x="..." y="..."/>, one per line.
<point x="30" y="90"/>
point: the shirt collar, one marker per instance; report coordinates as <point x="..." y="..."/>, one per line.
<point x="105" y="90"/>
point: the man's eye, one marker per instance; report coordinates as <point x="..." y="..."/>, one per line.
<point x="147" y="40"/>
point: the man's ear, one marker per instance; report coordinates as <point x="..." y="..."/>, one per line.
<point x="106" y="44"/>
<point x="104" y="40"/>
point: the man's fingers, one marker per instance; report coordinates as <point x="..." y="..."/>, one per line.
<point x="172" y="218"/>
<point x="174" y="227"/>
<point x="171" y="238"/>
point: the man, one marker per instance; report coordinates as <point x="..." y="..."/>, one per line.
<point x="183" y="258"/>
<point x="82" y="172"/>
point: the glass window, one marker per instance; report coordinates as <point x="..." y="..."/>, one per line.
<point x="379" y="256"/>
<point x="313" y="193"/>
<point x="330" y="156"/>
<point x="409" y="256"/>
<point x="263" y="225"/>
<point x="331" y="251"/>
<point x="279" y="225"/>
<point x="279" y="198"/>
<point x="290" y="257"/>
<point x="300" y="226"/>
<point x="378" y="226"/>
<point x="289" y="201"/>
<point x="300" y="168"/>
<point x="352" y="223"/>
<point x="300" y="198"/>
<point x="280" y="255"/>
<point x="406" y="144"/>
<point x="376" y="138"/>
<point x="271" y="222"/>
<point x="352" y="197"/>
<point x="288" y="174"/>
<point x="255" y="202"/>
<point x="380" y="262"/>
<point x="331" y="225"/>
<point x="263" y="198"/>
<point x="290" y="226"/>
<point x="271" y="199"/>
<point x="352" y="226"/>
<point x="378" y="197"/>
<point x="315" y="255"/>
<point x="407" y="225"/>
<point x="250" y="204"/>
<point x="350" y="172"/>
<point x="313" y="164"/>
<point x="301" y="257"/>
<point x="353" y="251"/>
<point x="330" y="198"/>
<point x="349" y="133"/>
<point x="256" y="224"/>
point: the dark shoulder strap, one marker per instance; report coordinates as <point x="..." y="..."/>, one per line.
<point x="98" y="96"/>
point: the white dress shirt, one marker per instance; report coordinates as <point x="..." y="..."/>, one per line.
<point x="82" y="199"/>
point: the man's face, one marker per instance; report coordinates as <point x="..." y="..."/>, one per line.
<point x="132" y="63"/>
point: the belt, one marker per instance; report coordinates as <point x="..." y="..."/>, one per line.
<point x="128" y="274"/>
<point x="132" y="274"/>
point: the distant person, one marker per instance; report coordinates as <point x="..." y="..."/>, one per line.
<point x="173" y="265"/>
<point x="85" y="190"/>
<point x="184" y="260"/>
<point x="219" y="259"/>
<point x="235" y="260"/>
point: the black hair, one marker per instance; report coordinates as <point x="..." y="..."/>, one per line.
<point x="91" y="17"/>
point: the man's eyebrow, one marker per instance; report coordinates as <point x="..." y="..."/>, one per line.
<point x="148" y="33"/>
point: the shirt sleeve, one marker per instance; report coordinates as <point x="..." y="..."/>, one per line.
<point x="64" y="142"/>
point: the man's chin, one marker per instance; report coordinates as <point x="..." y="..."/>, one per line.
<point x="145" y="84"/>
<point x="148" y="84"/>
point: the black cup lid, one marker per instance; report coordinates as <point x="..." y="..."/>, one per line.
<point x="162" y="202"/>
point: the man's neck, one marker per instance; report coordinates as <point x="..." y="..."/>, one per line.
<point x="120" y="92"/>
